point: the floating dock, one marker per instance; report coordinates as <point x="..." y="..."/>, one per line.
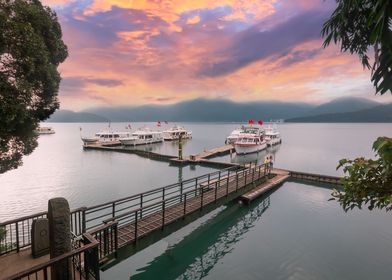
<point x="278" y="177"/>
<point x="202" y="158"/>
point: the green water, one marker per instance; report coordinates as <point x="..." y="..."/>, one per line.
<point x="292" y="233"/>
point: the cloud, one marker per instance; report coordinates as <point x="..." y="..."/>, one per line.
<point x="256" y="44"/>
<point x="72" y="83"/>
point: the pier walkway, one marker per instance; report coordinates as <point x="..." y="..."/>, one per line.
<point x="125" y="226"/>
<point x="202" y="158"/>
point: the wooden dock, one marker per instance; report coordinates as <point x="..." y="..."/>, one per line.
<point x="202" y="158"/>
<point x="278" y="177"/>
<point x="137" y="221"/>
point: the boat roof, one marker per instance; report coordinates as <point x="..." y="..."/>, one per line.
<point x="111" y="133"/>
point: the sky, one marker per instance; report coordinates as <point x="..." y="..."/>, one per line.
<point x="136" y="52"/>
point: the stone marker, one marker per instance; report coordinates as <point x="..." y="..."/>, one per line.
<point x="40" y="237"/>
<point x="59" y="237"/>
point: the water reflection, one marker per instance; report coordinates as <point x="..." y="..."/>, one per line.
<point x="199" y="252"/>
<point x="15" y="143"/>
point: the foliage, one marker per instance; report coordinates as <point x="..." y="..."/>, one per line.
<point x="358" y="25"/>
<point x="31" y="49"/>
<point x="369" y="181"/>
<point x="2" y="233"/>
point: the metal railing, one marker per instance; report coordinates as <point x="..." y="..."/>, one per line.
<point x="84" y="219"/>
<point x="18" y="231"/>
<point x="106" y="236"/>
<point x="80" y="263"/>
<point x="207" y="190"/>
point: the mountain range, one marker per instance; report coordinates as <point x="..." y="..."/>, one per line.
<point x="220" y="110"/>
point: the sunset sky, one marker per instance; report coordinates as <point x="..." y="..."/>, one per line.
<point x="160" y="52"/>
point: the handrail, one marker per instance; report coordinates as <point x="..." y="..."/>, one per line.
<point x="43" y="266"/>
<point x="86" y="218"/>
<point x="36" y="215"/>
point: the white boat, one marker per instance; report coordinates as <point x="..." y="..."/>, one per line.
<point x="175" y="132"/>
<point x="272" y="135"/>
<point x="233" y="137"/>
<point x="251" y="140"/>
<point x="105" y="137"/>
<point x="142" y="136"/>
<point x="44" y="130"/>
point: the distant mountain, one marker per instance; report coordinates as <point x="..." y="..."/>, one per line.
<point x="219" y="110"/>
<point x="343" y="105"/>
<point x="378" y="114"/>
<point x="205" y="110"/>
<point x="70" y="116"/>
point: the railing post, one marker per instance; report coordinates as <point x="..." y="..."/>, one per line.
<point x="246" y="173"/>
<point x="216" y="190"/>
<point x="163" y="214"/>
<point x="136" y="214"/>
<point x="202" y="193"/>
<point x="141" y="205"/>
<point x="253" y="174"/>
<point x="227" y="185"/>
<point x="196" y="181"/>
<point x="84" y="220"/>
<point x="181" y="188"/>
<point x="17" y="236"/>
<point x="163" y="194"/>
<point x="236" y="183"/>
<point x="105" y="241"/>
<point x="185" y="204"/>
<point x="113" y="209"/>
<point x="115" y="228"/>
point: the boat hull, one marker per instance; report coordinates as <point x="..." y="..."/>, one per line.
<point x="242" y="149"/>
<point x="137" y="142"/>
<point x="175" y="137"/>
<point x="272" y="142"/>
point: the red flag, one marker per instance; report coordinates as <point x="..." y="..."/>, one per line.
<point x="251" y="122"/>
<point x="260" y="122"/>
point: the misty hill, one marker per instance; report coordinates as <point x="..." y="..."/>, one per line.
<point x="378" y="114"/>
<point x="70" y="116"/>
<point x="205" y="110"/>
<point x="215" y="110"/>
<point x="343" y="105"/>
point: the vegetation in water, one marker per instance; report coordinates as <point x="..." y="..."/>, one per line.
<point x="31" y="49"/>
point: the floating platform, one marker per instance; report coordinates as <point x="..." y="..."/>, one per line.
<point x="278" y="177"/>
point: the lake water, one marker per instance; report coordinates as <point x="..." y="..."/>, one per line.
<point x="298" y="234"/>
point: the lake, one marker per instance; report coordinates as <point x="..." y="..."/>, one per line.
<point x="295" y="233"/>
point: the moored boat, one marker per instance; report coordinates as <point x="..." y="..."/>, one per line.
<point x="250" y="140"/>
<point x="45" y="130"/>
<point x="105" y="137"/>
<point x="175" y="132"/>
<point x="142" y="136"/>
<point x="272" y="135"/>
<point x="233" y="137"/>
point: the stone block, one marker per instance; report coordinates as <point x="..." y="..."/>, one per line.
<point x="40" y="237"/>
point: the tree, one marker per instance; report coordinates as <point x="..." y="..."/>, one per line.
<point x="369" y="181"/>
<point x="31" y="49"/>
<point x="358" y="25"/>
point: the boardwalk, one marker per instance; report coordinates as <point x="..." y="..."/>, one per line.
<point x="206" y="193"/>
<point x="280" y="176"/>
<point x="138" y="221"/>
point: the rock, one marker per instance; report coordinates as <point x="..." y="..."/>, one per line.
<point x="59" y="237"/>
<point x="40" y="237"/>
